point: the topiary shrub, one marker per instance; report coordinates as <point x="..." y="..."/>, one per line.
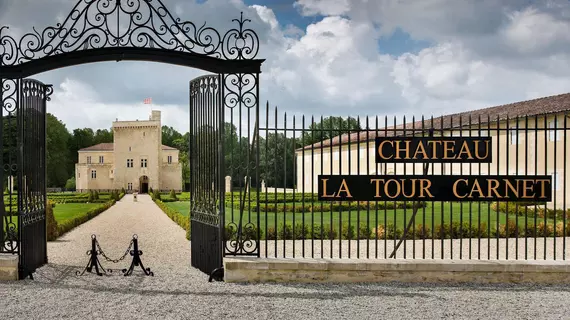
<point x="91" y="197"/>
<point x="173" y="195"/>
<point x="96" y="195"/>
<point x="123" y="190"/>
<point x="156" y="195"/>
<point x="51" y="223"/>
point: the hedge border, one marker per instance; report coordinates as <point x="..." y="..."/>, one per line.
<point x="174" y="215"/>
<point x="68" y="225"/>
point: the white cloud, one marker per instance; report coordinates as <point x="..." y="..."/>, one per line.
<point x="484" y="53"/>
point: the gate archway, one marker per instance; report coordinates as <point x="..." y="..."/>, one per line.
<point x="115" y="30"/>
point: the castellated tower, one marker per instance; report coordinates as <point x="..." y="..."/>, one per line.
<point x="136" y="160"/>
<point x="138" y="153"/>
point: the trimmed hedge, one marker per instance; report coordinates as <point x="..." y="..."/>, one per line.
<point x="51" y="222"/>
<point x="67" y="225"/>
<point x="530" y="210"/>
<point x="445" y="231"/>
<point x="175" y="216"/>
<point x="329" y="206"/>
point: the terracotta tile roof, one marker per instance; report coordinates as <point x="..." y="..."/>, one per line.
<point x="109" y="146"/>
<point x="545" y="105"/>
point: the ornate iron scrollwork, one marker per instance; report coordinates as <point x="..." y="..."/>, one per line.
<point x="94" y="24"/>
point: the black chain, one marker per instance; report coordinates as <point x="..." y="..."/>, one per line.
<point x="100" y="251"/>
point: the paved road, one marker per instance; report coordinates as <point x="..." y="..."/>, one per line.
<point x="178" y="291"/>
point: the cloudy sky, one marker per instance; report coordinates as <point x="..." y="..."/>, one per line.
<point x="335" y="57"/>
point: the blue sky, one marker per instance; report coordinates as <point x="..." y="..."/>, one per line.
<point x="472" y="54"/>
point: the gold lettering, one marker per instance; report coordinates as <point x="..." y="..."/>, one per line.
<point x="413" y="183"/>
<point x="345" y="189"/>
<point x="423" y="151"/>
<point x="509" y="185"/>
<point x="455" y="188"/>
<point x="377" y="181"/>
<point x="407" y="150"/>
<point x="465" y="149"/>
<point x="447" y="148"/>
<point x="476" y="187"/>
<point x="493" y="189"/>
<point x="434" y="148"/>
<point x="526" y="188"/>
<point x="425" y="188"/>
<point x="543" y="187"/>
<point x="325" y="189"/>
<point x="387" y="188"/>
<point x="381" y="146"/>
<point x="477" y="149"/>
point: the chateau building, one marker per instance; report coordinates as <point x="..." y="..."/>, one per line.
<point x="136" y="160"/>
<point x="528" y="138"/>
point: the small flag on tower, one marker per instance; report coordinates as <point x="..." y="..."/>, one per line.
<point x="148" y="101"/>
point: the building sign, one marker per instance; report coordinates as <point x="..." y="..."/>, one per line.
<point x="434" y="188"/>
<point x="433" y="149"/>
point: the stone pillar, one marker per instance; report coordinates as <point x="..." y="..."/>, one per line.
<point x="228" y="183"/>
<point x="263" y="185"/>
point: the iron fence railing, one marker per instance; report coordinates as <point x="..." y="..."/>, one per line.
<point x="291" y="221"/>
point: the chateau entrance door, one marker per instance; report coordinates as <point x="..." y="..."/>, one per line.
<point x="143" y="184"/>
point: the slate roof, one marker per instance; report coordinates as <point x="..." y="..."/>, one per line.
<point x="546" y="105"/>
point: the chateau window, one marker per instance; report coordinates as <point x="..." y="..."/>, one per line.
<point x="556" y="181"/>
<point x="129" y="163"/>
<point x="129" y="148"/>
<point x="101" y="159"/>
<point x="552" y="136"/>
<point x="514" y="135"/>
<point x="143" y="163"/>
<point x="89" y="159"/>
<point x="129" y="186"/>
<point x="144" y="133"/>
<point x="169" y="159"/>
<point x="78" y="175"/>
<point x="93" y="174"/>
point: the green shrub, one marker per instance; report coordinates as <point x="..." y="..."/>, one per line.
<point x="123" y="190"/>
<point x="175" y="216"/>
<point x="96" y="195"/>
<point x="67" y="225"/>
<point x="173" y="195"/>
<point x="52" y="228"/>
<point x="91" y="197"/>
<point x="156" y="195"/>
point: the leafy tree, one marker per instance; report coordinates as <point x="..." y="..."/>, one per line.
<point x="57" y="152"/>
<point x="277" y="160"/>
<point x="103" y="136"/>
<point x="169" y="135"/>
<point x="330" y="127"/>
<point x="70" y="184"/>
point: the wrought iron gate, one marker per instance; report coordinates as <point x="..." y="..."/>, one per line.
<point x="23" y="220"/>
<point x="206" y="172"/>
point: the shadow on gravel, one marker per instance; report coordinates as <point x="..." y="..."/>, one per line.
<point x="64" y="277"/>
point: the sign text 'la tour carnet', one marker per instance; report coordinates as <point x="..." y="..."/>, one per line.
<point x="434" y="188"/>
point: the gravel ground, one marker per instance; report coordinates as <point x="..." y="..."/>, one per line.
<point x="178" y="291"/>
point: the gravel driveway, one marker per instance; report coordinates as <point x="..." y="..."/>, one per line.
<point x="178" y="291"/>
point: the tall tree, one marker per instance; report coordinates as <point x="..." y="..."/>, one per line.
<point x="277" y="160"/>
<point x="169" y="135"/>
<point x="81" y="138"/>
<point x="103" y="136"/>
<point x="57" y="152"/>
<point x="328" y="128"/>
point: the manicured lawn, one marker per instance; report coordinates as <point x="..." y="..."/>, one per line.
<point x="66" y="211"/>
<point x="434" y="214"/>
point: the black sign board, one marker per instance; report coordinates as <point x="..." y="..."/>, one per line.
<point x="433" y="149"/>
<point x="434" y="188"/>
